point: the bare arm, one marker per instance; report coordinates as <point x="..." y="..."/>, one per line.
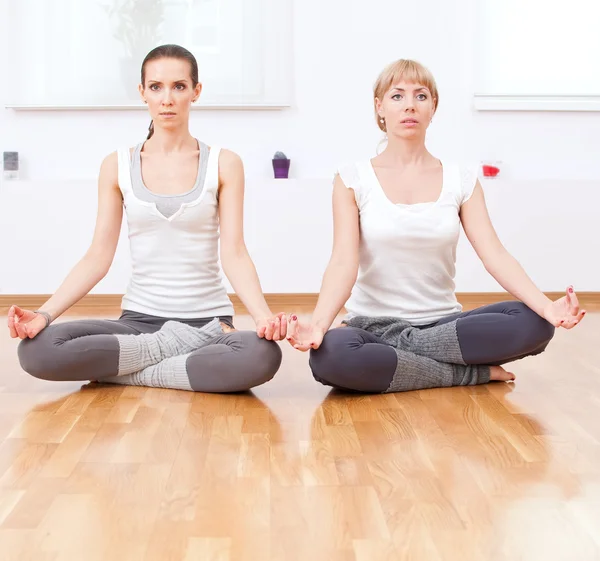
<point x="92" y="267"/>
<point x="564" y="312"/>
<point x="96" y="262"/>
<point x="494" y="256"/>
<point x="235" y="259"/>
<point x="342" y="270"/>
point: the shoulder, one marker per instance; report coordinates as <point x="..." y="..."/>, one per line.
<point x="228" y="159"/>
<point x="123" y="152"/>
<point x="354" y="175"/>
<point x="231" y="167"/>
<point x="110" y="164"/>
<point x="349" y="174"/>
<point x="468" y="177"/>
<point x="116" y="165"/>
<point x="108" y="177"/>
<point x="468" y="173"/>
<point x="462" y="178"/>
<point x="110" y="159"/>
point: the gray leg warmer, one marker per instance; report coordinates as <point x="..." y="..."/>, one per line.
<point x="231" y="362"/>
<point x="137" y="352"/>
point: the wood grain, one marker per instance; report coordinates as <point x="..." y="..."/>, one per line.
<point x="294" y="471"/>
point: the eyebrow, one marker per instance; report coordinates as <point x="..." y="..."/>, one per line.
<point x="416" y="90"/>
<point x="159" y="82"/>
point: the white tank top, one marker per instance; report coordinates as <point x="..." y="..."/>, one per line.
<point x="407" y="253"/>
<point x="176" y="271"/>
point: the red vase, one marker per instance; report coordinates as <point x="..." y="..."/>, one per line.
<point x="490" y="170"/>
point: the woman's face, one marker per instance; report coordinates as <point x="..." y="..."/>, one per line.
<point x="407" y="109"/>
<point x="169" y="92"/>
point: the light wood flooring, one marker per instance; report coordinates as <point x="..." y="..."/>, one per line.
<point x="294" y="471"/>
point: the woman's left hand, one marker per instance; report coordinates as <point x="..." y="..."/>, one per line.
<point x="565" y="311"/>
<point x="273" y="328"/>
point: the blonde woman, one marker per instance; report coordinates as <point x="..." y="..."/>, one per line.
<point x="397" y="219"/>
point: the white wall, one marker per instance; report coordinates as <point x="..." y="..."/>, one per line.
<point x="545" y="207"/>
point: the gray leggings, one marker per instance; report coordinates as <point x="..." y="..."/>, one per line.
<point x="89" y="350"/>
<point x="355" y="359"/>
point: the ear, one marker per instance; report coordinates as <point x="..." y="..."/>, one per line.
<point x="141" y="90"/>
<point x="197" y="92"/>
<point x="378" y="107"/>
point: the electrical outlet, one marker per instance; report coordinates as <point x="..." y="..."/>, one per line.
<point x="10" y="163"/>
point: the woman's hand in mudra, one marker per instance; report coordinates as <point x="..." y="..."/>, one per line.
<point x="565" y="311"/>
<point x="303" y="335"/>
<point x="24" y="324"/>
<point x="273" y="328"/>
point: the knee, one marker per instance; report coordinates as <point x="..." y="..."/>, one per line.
<point x="270" y="357"/>
<point x="535" y="328"/>
<point x="334" y="357"/>
<point x="36" y="356"/>
<point x="333" y="348"/>
<point x="235" y="362"/>
<point x="262" y="359"/>
<point x="546" y="330"/>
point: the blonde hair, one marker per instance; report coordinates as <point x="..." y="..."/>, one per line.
<point x="403" y="69"/>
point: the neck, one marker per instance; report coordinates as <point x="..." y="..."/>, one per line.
<point x="402" y="152"/>
<point x="168" y="141"/>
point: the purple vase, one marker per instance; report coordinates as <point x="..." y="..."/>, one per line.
<point x="281" y="168"/>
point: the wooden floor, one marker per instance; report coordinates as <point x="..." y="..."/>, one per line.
<point x="296" y="472"/>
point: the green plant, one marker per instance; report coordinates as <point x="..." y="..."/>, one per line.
<point x="137" y="23"/>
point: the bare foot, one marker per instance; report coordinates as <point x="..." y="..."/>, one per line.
<point x="226" y="328"/>
<point x="497" y="373"/>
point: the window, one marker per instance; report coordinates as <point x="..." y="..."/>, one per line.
<point x="69" y="53"/>
<point x="538" y="54"/>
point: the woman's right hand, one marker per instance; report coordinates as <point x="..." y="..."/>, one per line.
<point x="24" y="324"/>
<point x="304" y="336"/>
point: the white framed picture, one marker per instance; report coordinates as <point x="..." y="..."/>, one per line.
<point x="70" y="54"/>
<point x="537" y="56"/>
